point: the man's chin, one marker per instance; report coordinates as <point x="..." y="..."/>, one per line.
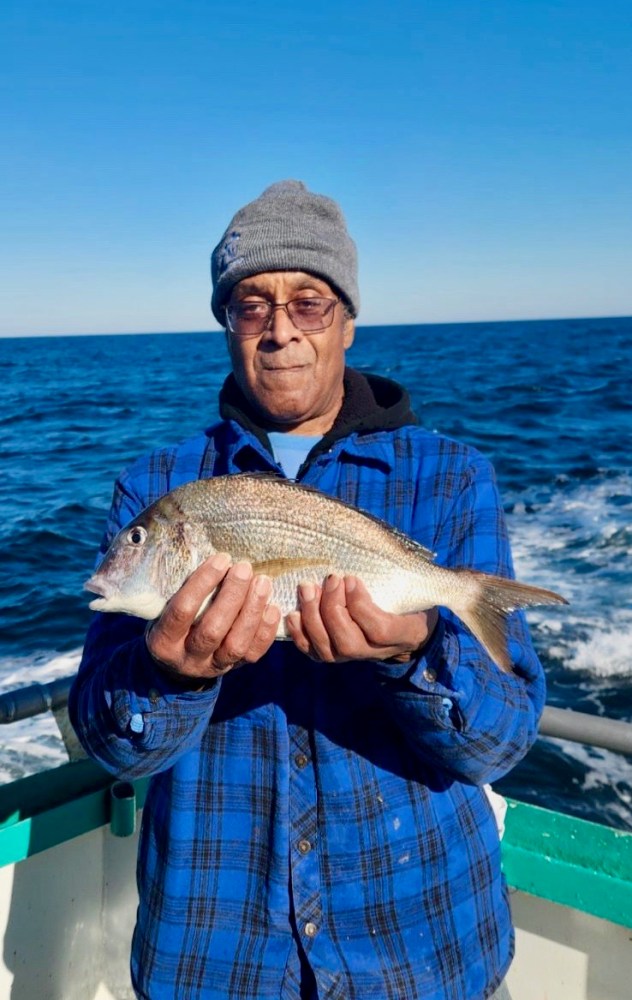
<point x="293" y="408"/>
<point x="289" y="417"/>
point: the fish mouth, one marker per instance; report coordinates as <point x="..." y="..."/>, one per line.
<point x="96" y="586"/>
<point x="104" y="592"/>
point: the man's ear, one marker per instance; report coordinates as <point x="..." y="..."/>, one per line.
<point x="348" y="333"/>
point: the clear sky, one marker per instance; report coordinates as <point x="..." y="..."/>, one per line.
<point x="481" y="151"/>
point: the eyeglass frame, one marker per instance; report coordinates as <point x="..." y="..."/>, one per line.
<point x="283" y="305"/>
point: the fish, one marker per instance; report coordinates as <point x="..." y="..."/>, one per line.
<point x="295" y="534"/>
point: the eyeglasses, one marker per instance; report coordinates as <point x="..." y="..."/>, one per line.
<point x="249" y="319"/>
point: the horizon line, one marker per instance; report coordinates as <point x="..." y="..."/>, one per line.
<point x="359" y="326"/>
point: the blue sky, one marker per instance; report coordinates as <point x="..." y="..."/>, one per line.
<point x="481" y="151"/>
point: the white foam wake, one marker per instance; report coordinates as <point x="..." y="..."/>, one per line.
<point x="579" y="542"/>
<point x="606" y="774"/>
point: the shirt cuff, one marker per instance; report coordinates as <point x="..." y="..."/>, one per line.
<point x="143" y="705"/>
<point x="450" y="693"/>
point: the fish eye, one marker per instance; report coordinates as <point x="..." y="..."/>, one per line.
<point x="136" y="535"/>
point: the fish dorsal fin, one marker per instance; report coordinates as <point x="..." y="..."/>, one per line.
<point x="287" y="484"/>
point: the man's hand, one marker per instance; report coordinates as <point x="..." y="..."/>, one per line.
<point x="340" y="622"/>
<point x="237" y="627"/>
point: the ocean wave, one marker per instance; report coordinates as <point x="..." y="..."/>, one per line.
<point x="39" y="668"/>
<point x="577" y="540"/>
<point x="603" y="779"/>
<point x="606" y="653"/>
<point x="588" y="520"/>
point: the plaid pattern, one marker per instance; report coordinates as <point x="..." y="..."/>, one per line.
<point x="317" y="830"/>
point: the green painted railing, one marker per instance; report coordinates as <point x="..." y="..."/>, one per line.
<point x="43" y="810"/>
<point x="569" y="861"/>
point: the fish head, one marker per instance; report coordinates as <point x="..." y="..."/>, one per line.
<point x="145" y="564"/>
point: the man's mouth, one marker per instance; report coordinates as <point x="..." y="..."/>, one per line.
<point x="283" y="368"/>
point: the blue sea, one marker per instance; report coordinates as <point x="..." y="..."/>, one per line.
<point x="549" y="402"/>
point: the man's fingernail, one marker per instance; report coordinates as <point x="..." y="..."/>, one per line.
<point x="332" y="582"/>
<point x="270" y="614"/>
<point x="292" y="619"/>
<point x="242" y="570"/>
<point x="262" y="586"/>
<point x="221" y="561"/>
<point x="350" y="583"/>
<point x="307" y="591"/>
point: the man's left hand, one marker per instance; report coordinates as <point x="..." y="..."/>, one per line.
<point x="340" y="622"/>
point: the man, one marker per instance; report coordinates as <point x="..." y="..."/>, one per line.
<point x="316" y="825"/>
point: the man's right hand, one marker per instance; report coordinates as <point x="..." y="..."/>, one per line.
<point x="237" y="627"/>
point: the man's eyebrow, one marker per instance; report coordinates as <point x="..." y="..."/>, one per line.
<point x="309" y="283"/>
<point x="250" y="288"/>
<point x="245" y="289"/>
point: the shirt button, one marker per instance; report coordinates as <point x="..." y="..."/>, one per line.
<point x="304" y="846"/>
<point x="137" y="723"/>
<point x="429" y="675"/>
<point x="301" y="760"/>
<point x="311" y="929"/>
<point x="154" y="695"/>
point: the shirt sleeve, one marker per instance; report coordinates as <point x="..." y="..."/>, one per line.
<point x="127" y="714"/>
<point x="454" y="705"/>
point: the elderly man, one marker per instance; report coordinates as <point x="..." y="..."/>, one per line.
<point x="316" y="825"/>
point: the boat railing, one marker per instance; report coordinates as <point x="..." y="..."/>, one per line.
<point x="560" y="723"/>
<point x="33" y="699"/>
<point x="581" y="727"/>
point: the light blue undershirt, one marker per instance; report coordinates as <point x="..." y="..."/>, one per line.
<point x="291" y="450"/>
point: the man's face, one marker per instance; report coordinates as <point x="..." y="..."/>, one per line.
<point x="294" y="379"/>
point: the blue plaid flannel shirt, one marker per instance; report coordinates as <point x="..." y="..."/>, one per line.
<point x="320" y="830"/>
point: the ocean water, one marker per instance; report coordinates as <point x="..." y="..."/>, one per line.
<point x="549" y="402"/>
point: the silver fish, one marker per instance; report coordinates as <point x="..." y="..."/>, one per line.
<point x="295" y="534"/>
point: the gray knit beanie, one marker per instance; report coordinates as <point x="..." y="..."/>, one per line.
<point x="287" y="228"/>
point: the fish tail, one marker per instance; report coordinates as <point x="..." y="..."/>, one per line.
<point x="493" y="599"/>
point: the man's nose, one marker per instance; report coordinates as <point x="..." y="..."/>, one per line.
<point x="281" y="329"/>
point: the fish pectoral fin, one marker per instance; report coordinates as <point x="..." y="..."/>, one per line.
<point x="282" y="567"/>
